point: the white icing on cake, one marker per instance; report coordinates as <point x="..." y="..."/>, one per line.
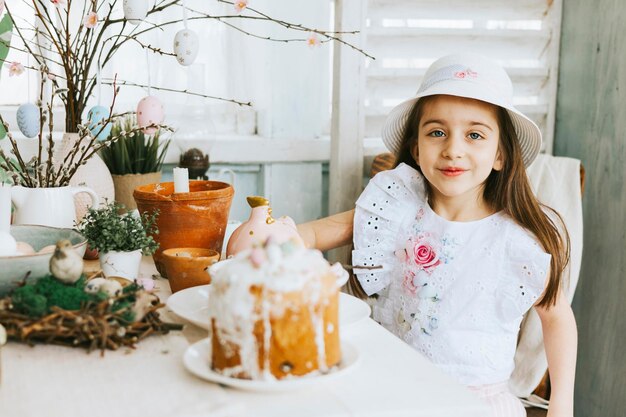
<point x="276" y="270"/>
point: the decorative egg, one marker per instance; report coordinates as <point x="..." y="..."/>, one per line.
<point x="94" y="117"/>
<point x="149" y="111"/>
<point x="47" y="249"/>
<point x="186" y="46"/>
<point x="24" y="248"/>
<point x="135" y="11"/>
<point x="28" y="120"/>
<point x="8" y="245"/>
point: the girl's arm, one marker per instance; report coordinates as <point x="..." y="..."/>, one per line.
<point x="329" y="232"/>
<point x="560" y="340"/>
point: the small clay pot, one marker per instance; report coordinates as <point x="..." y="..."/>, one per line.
<point x="195" y="219"/>
<point x="188" y="267"/>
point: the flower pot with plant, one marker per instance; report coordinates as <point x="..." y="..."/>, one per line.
<point x="121" y="239"/>
<point x="134" y="159"/>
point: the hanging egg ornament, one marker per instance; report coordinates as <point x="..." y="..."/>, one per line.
<point x="135" y="11"/>
<point x="150" y="112"/>
<point x="96" y="115"/>
<point x="186" y="45"/>
<point x="28" y="120"/>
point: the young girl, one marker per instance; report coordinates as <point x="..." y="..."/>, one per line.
<point x="452" y="242"/>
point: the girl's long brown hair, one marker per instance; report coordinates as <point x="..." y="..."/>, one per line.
<point x="508" y="190"/>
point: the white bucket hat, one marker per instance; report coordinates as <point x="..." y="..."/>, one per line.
<point x="471" y="76"/>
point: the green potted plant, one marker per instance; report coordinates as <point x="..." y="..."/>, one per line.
<point x="134" y="159"/>
<point x="120" y="239"/>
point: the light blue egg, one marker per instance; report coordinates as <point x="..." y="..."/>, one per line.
<point x="95" y="115"/>
<point x="28" y="120"/>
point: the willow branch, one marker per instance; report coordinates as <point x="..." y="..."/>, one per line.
<point x="191" y="93"/>
<point x="26" y="179"/>
<point x="293" y="26"/>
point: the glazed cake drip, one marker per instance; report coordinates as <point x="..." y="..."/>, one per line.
<point x="264" y="285"/>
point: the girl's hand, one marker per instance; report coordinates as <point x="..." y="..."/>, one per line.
<point x="329" y="232"/>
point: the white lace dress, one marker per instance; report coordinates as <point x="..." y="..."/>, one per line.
<point x="455" y="291"/>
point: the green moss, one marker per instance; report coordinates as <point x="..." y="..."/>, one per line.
<point x="38" y="298"/>
<point x="27" y="301"/>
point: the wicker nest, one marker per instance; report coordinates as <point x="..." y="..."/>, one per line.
<point x="108" y="323"/>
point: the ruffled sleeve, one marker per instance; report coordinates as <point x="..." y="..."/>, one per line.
<point x="525" y="270"/>
<point x="380" y="212"/>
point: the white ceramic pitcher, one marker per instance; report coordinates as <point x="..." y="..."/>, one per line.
<point x="48" y="206"/>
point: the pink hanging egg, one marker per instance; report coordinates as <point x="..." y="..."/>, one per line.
<point x="150" y="111"/>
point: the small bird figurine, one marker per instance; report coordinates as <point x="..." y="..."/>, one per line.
<point x="66" y="264"/>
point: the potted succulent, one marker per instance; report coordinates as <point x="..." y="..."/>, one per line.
<point x="134" y="159"/>
<point x="120" y="239"/>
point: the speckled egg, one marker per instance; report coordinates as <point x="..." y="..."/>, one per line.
<point x="135" y="11"/>
<point x="150" y="111"/>
<point x="28" y="120"/>
<point x="186" y="46"/>
<point x="94" y="117"/>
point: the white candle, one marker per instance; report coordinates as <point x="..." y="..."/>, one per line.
<point x="5" y="207"/>
<point x="181" y="180"/>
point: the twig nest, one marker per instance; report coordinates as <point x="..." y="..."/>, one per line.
<point x="143" y="304"/>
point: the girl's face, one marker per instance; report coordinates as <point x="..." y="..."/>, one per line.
<point x="457" y="147"/>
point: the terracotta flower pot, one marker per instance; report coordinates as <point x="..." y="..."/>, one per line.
<point x="126" y="184"/>
<point x="188" y="267"/>
<point x="194" y="219"/>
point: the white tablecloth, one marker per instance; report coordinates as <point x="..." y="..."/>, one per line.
<point x="391" y="380"/>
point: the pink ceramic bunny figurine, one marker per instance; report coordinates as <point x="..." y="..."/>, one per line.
<point x="260" y="226"/>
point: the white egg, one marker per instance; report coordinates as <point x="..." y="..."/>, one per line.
<point x="8" y="245"/>
<point x="135" y="11"/>
<point x="186" y="46"/>
<point x="28" y="120"/>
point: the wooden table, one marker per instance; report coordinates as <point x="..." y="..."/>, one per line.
<point x="392" y="379"/>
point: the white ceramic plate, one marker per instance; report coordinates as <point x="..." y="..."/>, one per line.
<point x="196" y="360"/>
<point x="192" y="304"/>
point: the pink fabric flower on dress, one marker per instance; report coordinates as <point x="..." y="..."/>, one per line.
<point x="313" y="40"/>
<point x="240" y="5"/>
<point x="423" y="254"/>
<point x="91" y="20"/>
<point x="15" y="68"/>
<point x="409" y="283"/>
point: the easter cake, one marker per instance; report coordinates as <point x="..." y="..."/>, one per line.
<point x="274" y="313"/>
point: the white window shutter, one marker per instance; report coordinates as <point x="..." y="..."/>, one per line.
<point x="406" y="36"/>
